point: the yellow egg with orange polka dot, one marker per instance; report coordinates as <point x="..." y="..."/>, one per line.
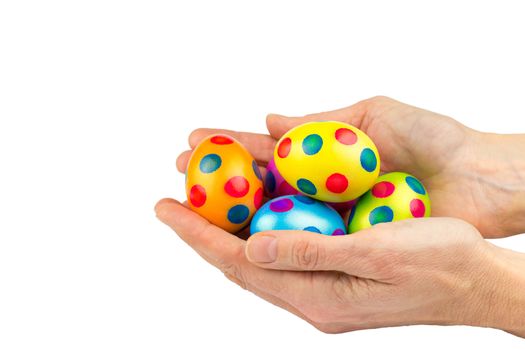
<point x="223" y="182"/>
<point x="330" y="161"/>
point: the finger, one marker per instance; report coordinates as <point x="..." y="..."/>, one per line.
<point x="260" y="146"/>
<point x="197" y="231"/>
<point x="226" y="252"/>
<point x="308" y="251"/>
<point x="278" y="125"/>
<point x="182" y="161"/>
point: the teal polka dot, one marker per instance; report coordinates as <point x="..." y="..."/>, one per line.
<point x="306" y="186"/>
<point x="304" y="199"/>
<point x="381" y="214"/>
<point x="352" y="214"/>
<point x="415" y="185"/>
<point x="238" y="214"/>
<point x="209" y="163"/>
<point x="312" y="229"/>
<point x="368" y="160"/>
<point x="312" y="144"/>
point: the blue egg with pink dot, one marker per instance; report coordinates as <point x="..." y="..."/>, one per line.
<point x="298" y="212"/>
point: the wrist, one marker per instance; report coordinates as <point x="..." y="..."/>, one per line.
<point x="499" y="166"/>
<point x="499" y="297"/>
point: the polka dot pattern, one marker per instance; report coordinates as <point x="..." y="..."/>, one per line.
<point x="306" y="186"/>
<point x="284" y="148"/>
<point x="368" y="160"/>
<point x="258" y="198"/>
<point x="383" y="189"/>
<point x="312" y="144"/>
<point x="224" y="183"/>
<point x="337" y="183"/>
<point x="210" y="163"/>
<point x="352" y="214"/>
<point x="381" y="214"/>
<point x="256" y="170"/>
<point x="417" y="208"/>
<point x="238" y="214"/>
<point x="415" y="185"/>
<point x="297" y="212"/>
<point x="237" y="187"/>
<point x="282" y="205"/>
<point x="312" y="229"/>
<point x="269" y="182"/>
<point x="345" y="136"/>
<point x="197" y="196"/>
<point x="304" y="199"/>
<point x="338" y="232"/>
<point x="221" y="140"/>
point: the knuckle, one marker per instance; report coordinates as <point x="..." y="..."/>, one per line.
<point x="306" y="255"/>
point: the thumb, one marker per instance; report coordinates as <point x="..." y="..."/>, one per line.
<point x="309" y="251"/>
<point x="278" y="125"/>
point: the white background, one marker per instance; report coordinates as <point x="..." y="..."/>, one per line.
<point x="97" y="99"/>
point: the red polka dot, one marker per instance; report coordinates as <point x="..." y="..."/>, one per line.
<point x="285" y="189"/>
<point x="237" y="187"/>
<point x="197" y="196"/>
<point x="337" y="183"/>
<point x="257" y="199"/>
<point x="417" y="208"/>
<point x="221" y="140"/>
<point x="345" y="136"/>
<point x="284" y="148"/>
<point x="383" y="189"/>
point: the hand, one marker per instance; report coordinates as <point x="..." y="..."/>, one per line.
<point x="474" y="176"/>
<point x="419" y="271"/>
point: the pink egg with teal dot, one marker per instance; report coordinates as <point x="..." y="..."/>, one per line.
<point x="298" y="212"/>
<point x="393" y="197"/>
<point x="330" y="161"/>
<point x="274" y="184"/>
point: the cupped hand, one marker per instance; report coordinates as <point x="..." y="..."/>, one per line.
<point x="469" y="175"/>
<point x="418" y="271"/>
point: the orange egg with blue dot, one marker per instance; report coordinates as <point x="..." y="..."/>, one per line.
<point x="223" y="182"/>
<point x="393" y="197"/>
<point x="330" y="161"/>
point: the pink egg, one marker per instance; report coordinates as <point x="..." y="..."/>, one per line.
<point x="274" y="183"/>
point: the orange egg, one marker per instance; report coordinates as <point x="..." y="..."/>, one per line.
<point x="223" y="182"/>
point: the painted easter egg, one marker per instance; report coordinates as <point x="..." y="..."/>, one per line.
<point x="298" y="212"/>
<point x="223" y="182"/>
<point x="276" y="186"/>
<point x="274" y="183"/>
<point x="329" y="161"/>
<point x="394" y="196"/>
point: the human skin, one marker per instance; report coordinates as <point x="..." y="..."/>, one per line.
<point x="419" y="271"/>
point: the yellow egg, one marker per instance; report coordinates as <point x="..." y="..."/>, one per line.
<point x="395" y="196"/>
<point x="223" y="182"/>
<point x="330" y="161"/>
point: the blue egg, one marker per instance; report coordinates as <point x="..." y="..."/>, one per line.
<point x="297" y="212"/>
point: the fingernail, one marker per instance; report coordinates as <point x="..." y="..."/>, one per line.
<point x="262" y="249"/>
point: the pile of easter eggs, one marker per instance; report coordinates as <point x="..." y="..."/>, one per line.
<point x="320" y="173"/>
